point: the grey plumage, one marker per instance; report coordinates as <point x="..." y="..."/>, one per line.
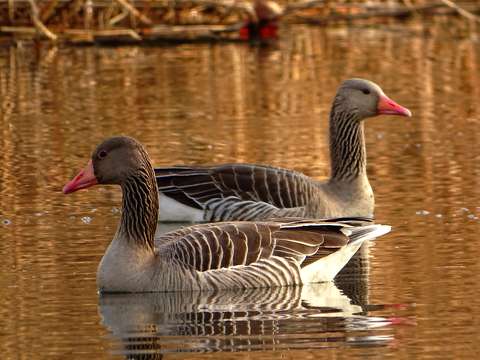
<point x="258" y="192"/>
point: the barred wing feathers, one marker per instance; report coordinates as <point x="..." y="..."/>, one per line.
<point x="195" y="186"/>
<point x="243" y="254"/>
<point x="214" y="246"/>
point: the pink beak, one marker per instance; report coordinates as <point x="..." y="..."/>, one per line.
<point x="387" y="106"/>
<point x="83" y="180"/>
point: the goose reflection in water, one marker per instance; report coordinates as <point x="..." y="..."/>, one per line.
<point x="294" y="317"/>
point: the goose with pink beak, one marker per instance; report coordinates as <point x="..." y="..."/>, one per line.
<point x="256" y="192"/>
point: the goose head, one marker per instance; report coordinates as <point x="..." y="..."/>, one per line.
<point x="112" y="162"/>
<point x="366" y="99"/>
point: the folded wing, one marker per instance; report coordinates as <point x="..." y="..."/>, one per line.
<point x="240" y="192"/>
<point x="195" y="186"/>
<point x="265" y="254"/>
<point x="223" y="245"/>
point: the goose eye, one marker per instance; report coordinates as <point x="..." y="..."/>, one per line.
<point x="366" y="91"/>
<point x="102" y="154"/>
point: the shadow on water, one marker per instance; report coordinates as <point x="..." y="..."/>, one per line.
<point x="315" y="316"/>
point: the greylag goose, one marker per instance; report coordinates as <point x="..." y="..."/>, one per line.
<point x="207" y="256"/>
<point x="257" y="192"/>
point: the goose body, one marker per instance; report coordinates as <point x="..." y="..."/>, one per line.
<point x="257" y="192"/>
<point x="234" y="255"/>
<point x="208" y="256"/>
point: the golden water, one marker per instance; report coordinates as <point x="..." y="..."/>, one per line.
<point x="238" y="103"/>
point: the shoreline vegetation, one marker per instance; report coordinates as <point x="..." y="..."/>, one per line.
<point x="85" y="22"/>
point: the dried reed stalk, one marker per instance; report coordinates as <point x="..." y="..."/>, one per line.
<point x="132" y="10"/>
<point x="88" y="14"/>
<point x="11" y="10"/>
<point x="38" y="23"/>
<point x="461" y="11"/>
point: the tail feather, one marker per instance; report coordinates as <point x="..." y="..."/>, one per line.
<point x="326" y="268"/>
<point x="369" y="232"/>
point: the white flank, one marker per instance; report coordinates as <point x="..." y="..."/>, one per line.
<point x="172" y="210"/>
<point x="328" y="267"/>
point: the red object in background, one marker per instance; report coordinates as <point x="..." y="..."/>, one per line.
<point x="262" y="31"/>
<point x="244" y="33"/>
<point x="268" y="31"/>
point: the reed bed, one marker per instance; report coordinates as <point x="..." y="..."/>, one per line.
<point x="93" y="21"/>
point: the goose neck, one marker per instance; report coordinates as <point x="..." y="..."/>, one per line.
<point x="347" y="145"/>
<point x="139" y="209"/>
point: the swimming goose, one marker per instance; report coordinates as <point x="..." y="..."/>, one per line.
<point x="257" y="192"/>
<point x="207" y="256"/>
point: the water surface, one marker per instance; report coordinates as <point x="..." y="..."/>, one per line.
<point x="413" y="294"/>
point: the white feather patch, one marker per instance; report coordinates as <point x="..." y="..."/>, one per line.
<point x="328" y="267"/>
<point x="325" y="269"/>
<point x="172" y="210"/>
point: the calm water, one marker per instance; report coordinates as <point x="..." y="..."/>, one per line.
<point x="412" y="294"/>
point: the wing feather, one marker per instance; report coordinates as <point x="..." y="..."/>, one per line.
<point x="220" y="246"/>
<point x="194" y="186"/>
